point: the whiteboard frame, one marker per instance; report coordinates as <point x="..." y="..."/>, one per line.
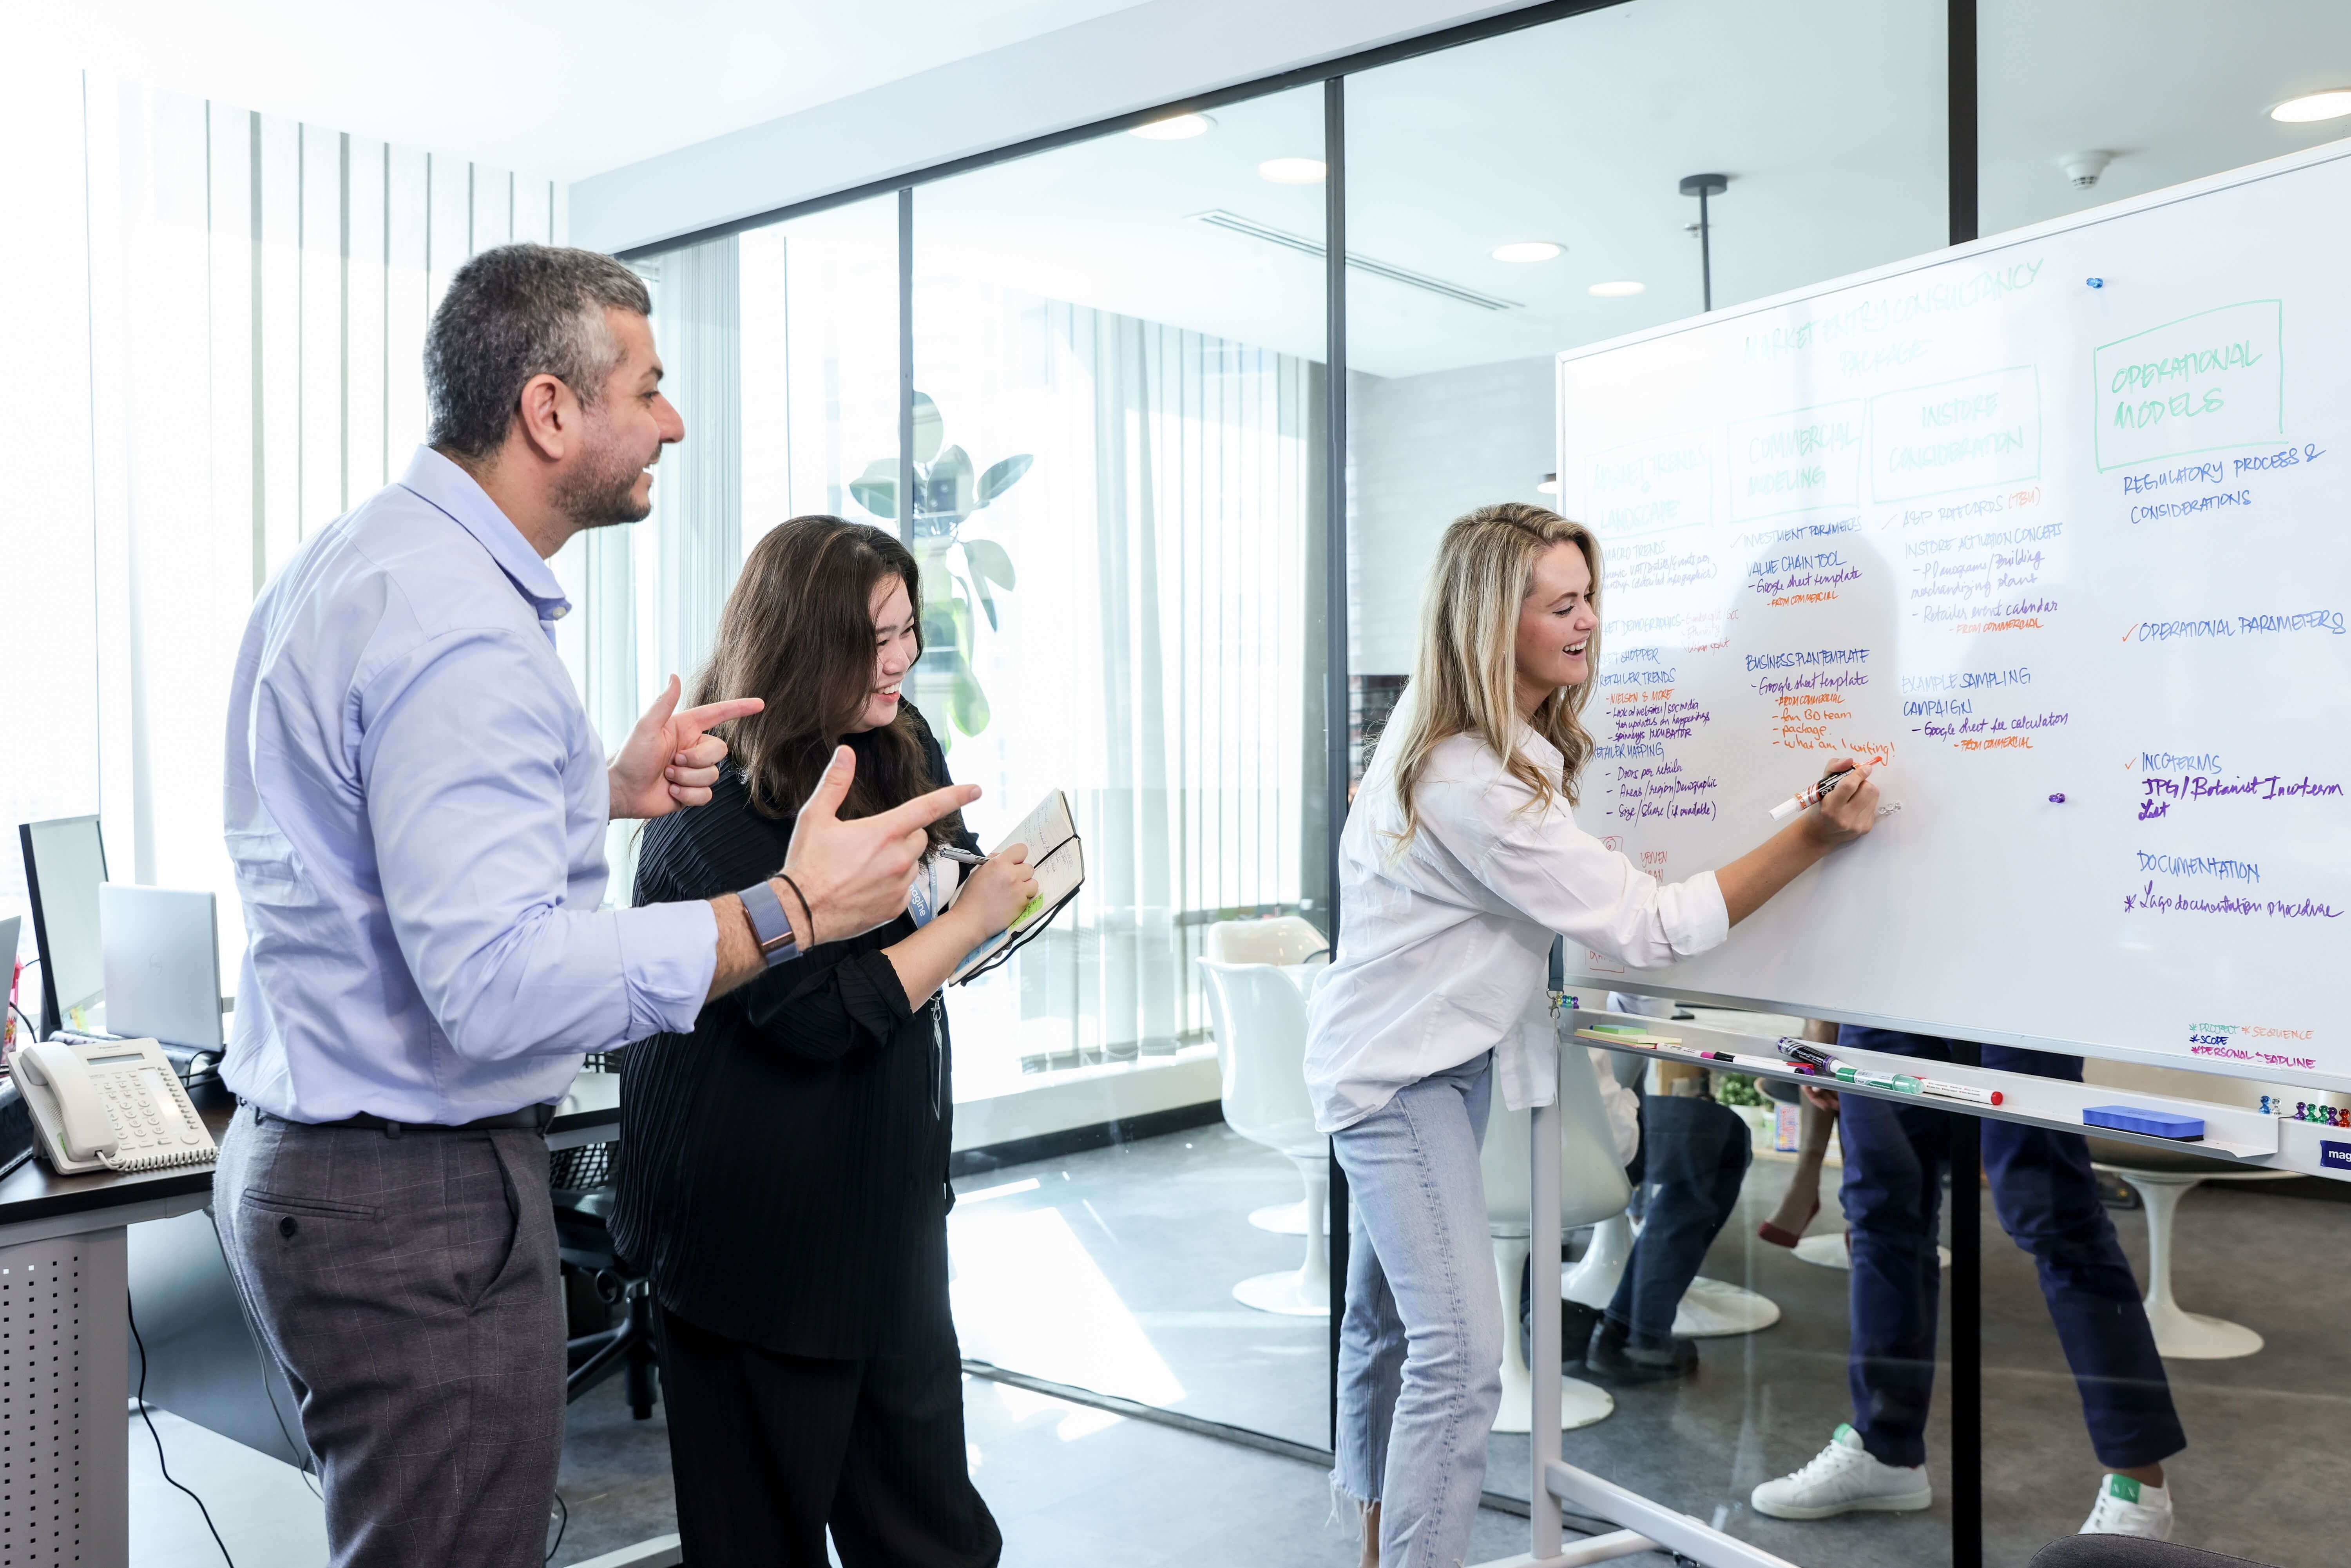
<point x="1655" y="983"/>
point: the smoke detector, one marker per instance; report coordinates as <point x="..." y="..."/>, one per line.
<point x="2084" y="168"/>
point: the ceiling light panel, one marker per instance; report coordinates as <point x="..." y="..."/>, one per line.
<point x="1175" y="128"/>
<point x="2332" y="104"/>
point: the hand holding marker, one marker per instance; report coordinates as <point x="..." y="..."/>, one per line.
<point x="1804" y="801"/>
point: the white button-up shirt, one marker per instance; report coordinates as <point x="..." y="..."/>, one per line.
<point x="416" y="807"/>
<point x="1444" y="944"/>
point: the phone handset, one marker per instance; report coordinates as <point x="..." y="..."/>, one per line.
<point x="62" y="1085"/>
<point x="113" y="1105"/>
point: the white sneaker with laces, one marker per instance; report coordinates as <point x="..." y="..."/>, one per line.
<point x="2126" y="1507"/>
<point x="1844" y="1478"/>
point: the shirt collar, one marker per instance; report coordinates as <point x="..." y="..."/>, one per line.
<point x="1537" y="750"/>
<point x="433" y="478"/>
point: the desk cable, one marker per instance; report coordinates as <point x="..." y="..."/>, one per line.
<point x="144" y="1416"/>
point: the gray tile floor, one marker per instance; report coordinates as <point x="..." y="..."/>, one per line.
<point x="1113" y="1272"/>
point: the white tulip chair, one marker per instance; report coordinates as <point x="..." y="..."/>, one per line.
<point x="1257" y="975"/>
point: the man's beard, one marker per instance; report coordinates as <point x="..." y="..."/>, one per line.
<point x="603" y="489"/>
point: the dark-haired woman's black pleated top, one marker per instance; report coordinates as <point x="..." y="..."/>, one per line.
<point x="783" y="1168"/>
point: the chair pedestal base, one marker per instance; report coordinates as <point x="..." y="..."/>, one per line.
<point x="1830" y="1249"/>
<point x="1710" y="1309"/>
<point x="2180" y="1334"/>
<point x="1580" y="1402"/>
<point x="1303" y="1291"/>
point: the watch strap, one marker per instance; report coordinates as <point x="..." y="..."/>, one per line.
<point x="769" y="925"/>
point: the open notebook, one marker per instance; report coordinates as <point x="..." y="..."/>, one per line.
<point x="1059" y="862"/>
<point x="1059" y="859"/>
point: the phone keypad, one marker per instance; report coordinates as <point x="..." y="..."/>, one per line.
<point x="136" y="1109"/>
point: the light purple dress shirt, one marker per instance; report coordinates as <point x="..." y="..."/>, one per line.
<point x="416" y="806"/>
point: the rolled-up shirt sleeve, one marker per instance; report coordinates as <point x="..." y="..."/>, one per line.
<point x="1542" y="866"/>
<point x="463" y="769"/>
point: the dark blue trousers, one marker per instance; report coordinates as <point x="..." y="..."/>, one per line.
<point x="1694" y="1157"/>
<point x="1896" y="1156"/>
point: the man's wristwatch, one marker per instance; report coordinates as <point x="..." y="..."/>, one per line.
<point x="769" y="925"/>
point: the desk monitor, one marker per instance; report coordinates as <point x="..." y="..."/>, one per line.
<point x="163" y="964"/>
<point x="9" y="925"/>
<point x="65" y="864"/>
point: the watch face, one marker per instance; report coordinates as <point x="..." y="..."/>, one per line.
<point x="923" y="898"/>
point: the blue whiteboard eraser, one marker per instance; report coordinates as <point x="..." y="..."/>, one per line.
<point x="2137" y="1119"/>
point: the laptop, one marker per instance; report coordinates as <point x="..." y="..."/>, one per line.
<point x="162" y="969"/>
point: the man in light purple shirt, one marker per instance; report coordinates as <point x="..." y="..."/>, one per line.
<point x="416" y="806"/>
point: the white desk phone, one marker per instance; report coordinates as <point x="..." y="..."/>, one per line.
<point x="113" y="1105"/>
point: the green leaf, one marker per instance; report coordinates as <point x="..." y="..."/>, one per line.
<point x="960" y="608"/>
<point x="1000" y="477"/>
<point x="978" y="586"/>
<point x="970" y="703"/>
<point x="876" y="489"/>
<point x="929" y="428"/>
<point x="991" y="562"/>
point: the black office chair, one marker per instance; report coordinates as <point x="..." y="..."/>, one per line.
<point x="582" y="1181"/>
<point x="2124" y="1551"/>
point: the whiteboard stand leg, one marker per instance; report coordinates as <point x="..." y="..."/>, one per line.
<point x="1542" y="1440"/>
<point x="2180" y="1334"/>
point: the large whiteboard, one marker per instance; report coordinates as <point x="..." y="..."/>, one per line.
<point x="2032" y="537"/>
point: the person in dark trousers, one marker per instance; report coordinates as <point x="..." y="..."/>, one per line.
<point x="784" y="1170"/>
<point x="1694" y="1160"/>
<point x="416" y="806"/>
<point x="1897" y="1155"/>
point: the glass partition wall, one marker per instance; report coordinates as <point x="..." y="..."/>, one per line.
<point x="1527" y="194"/>
<point x="1093" y="384"/>
<point x="1118" y="507"/>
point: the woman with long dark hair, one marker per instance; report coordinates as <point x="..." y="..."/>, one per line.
<point x="784" y="1179"/>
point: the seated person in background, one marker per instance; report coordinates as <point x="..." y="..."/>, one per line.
<point x="1895" y="1157"/>
<point x="785" y="1178"/>
<point x="1693" y="1157"/>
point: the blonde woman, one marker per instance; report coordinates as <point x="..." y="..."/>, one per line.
<point x="1461" y="859"/>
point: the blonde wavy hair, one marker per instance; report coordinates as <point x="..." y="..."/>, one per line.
<point x="1464" y="679"/>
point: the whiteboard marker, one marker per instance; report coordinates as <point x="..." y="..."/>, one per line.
<point x="1966" y="1091"/>
<point x="1805" y="800"/>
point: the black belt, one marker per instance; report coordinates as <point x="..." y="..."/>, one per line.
<point x="529" y="1119"/>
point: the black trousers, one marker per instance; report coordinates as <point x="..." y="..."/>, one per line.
<point x="769" y="1449"/>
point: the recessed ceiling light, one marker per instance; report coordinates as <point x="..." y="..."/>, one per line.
<point x="1550" y="486"/>
<point x="1291" y="171"/>
<point x="2332" y="104"/>
<point x="1528" y="250"/>
<point x="1174" y="128"/>
<point x="1616" y="290"/>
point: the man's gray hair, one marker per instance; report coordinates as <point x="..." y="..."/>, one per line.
<point x="516" y="312"/>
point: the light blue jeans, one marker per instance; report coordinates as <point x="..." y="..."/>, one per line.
<point x="1420" y="1350"/>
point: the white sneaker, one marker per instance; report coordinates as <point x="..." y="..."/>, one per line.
<point x="1843" y="1478"/>
<point x="2126" y="1507"/>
